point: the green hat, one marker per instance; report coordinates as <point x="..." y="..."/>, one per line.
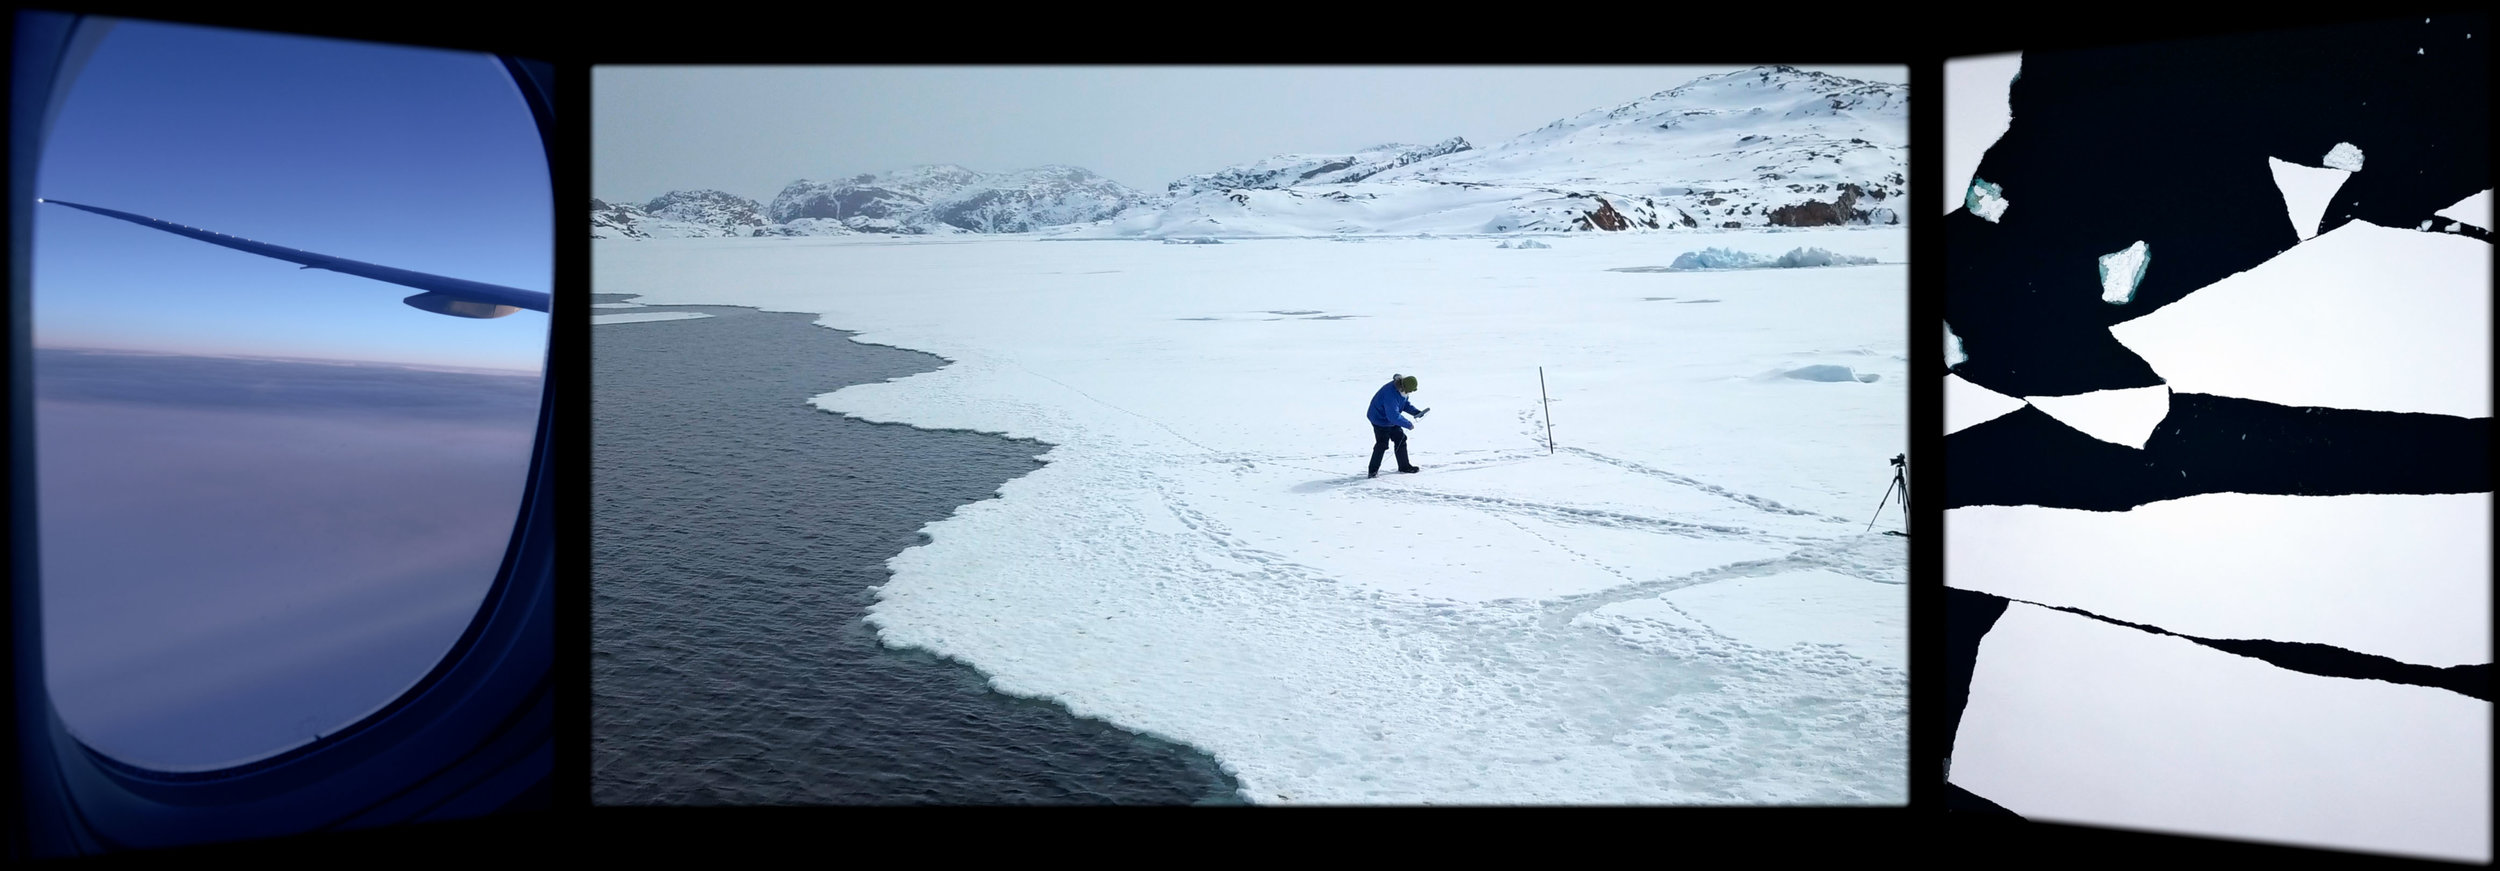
<point x="1407" y="384"/>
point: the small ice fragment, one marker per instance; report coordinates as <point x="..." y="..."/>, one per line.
<point x="2122" y="270"/>
<point x="2344" y="156"/>
<point x="1985" y="199"/>
<point x="2452" y="226"/>
<point x="2426" y="225"/>
<point x="2417" y="51"/>
<point x="2474" y="210"/>
<point x="1953" y="355"/>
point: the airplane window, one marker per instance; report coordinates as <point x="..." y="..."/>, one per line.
<point x="272" y="497"/>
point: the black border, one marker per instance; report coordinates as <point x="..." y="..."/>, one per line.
<point x="1918" y="36"/>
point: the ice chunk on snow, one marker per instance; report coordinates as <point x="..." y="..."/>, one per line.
<point x="2122" y="270"/>
<point x="2363" y="317"/>
<point x="2344" y="156"/>
<point x="2124" y="417"/>
<point x="1986" y="200"/>
<point x="2306" y="192"/>
<point x="2077" y="721"/>
<point x="2475" y="210"/>
<point x="1827" y="372"/>
<point x="645" y="317"/>
<point x="1796" y="258"/>
<point x="1978" y="107"/>
<point x="2400" y="576"/>
<point x="1953" y="355"/>
<point x="1967" y="405"/>
<point x="1715" y="258"/>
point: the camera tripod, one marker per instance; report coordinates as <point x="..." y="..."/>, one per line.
<point x="1900" y="479"/>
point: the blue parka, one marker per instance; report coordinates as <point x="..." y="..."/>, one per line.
<point x="1387" y="404"/>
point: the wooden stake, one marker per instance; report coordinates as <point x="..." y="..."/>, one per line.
<point x="1549" y="410"/>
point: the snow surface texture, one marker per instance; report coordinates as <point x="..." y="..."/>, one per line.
<point x="1203" y="559"/>
<point x="2363" y="317"/>
<point x="1967" y="405"/>
<point x="2121" y="271"/>
<point x="2306" y="192"/>
<point x="2122" y="417"/>
<point x="1978" y="111"/>
<point x="2220" y="745"/>
<point x="1724" y="258"/>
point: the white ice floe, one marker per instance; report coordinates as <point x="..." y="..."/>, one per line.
<point x="1202" y="558"/>
<point x="616" y="305"/>
<point x="1967" y="405"/>
<point x="2401" y="576"/>
<point x="2364" y="317"/>
<point x="2122" y="270"/>
<point x="1986" y="200"/>
<point x="645" y="317"/>
<point x="2306" y="192"/>
<point x="2123" y="417"/>
<point x="2072" y="720"/>
<point x="2474" y="210"/>
<point x="2344" y="156"/>
<point x="1953" y="355"/>
<point x="1978" y="105"/>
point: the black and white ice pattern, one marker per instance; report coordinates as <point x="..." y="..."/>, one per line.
<point x="2218" y="487"/>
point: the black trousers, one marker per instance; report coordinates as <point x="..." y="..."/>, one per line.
<point x="1382" y="437"/>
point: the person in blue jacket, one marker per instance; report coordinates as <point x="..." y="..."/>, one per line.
<point x="1388" y="426"/>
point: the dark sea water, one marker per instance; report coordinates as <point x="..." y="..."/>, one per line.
<point x="735" y="533"/>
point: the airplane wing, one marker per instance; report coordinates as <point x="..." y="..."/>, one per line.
<point x="443" y="296"/>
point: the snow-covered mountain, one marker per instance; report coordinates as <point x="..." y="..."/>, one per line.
<point x="1295" y="170"/>
<point x="1772" y="146"/>
<point x="678" y="214"/>
<point x="950" y="199"/>
<point x="1766" y="147"/>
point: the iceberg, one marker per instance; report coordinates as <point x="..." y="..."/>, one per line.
<point x="2122" y="270"/>
<point x="1986" y="200"/>
<point x="2344" y="156"/>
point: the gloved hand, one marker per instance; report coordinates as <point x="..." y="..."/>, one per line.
<point x="1419" y="415"/>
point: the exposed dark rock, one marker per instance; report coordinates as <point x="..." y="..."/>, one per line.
<point x="1816" y="213"/>
<point x="1605" y="218"/>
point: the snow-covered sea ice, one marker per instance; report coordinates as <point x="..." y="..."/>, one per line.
<point x="1679" y="604"/>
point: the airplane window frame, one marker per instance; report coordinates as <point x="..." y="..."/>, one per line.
<point x="472" y="737"/>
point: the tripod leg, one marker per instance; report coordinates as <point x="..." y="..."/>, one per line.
<point x="1879" y="503"/>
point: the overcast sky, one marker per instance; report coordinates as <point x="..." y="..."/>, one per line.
<point x="751" y="130"/>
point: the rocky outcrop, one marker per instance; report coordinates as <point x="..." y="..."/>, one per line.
<point x="1817" y="213"/>
<point x="734" y="215"/>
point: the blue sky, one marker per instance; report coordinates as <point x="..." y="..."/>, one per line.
<point x="416" y="158"/>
